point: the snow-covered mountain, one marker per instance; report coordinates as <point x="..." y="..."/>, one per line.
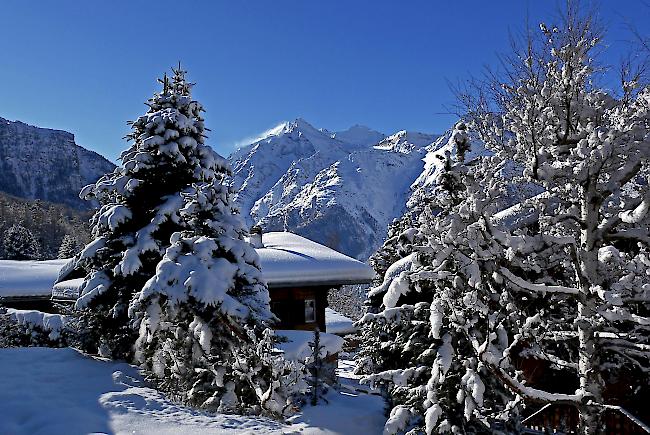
<point x="39" y="163"/>
<point x="341" y="189"/>
<point x="359" y="135"/>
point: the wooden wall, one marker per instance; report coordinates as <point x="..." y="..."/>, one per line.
<point x="288" y="303"/>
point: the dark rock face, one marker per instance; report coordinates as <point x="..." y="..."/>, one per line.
<point x="39" y="163"/>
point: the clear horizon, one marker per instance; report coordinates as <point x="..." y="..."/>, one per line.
<point x="87" y="69"/>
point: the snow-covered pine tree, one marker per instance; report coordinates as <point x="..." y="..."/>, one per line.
<point x="402" y="234"/>
<point x="69" y="246"/>
<point x="202" y="316"/>
<point x="139" y="211"/>
<point x="20" y="244"/>
<point x="441" y="305"/>
<point x="585" y="250"/>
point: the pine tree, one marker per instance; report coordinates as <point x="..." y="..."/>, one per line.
<point x="439" y="306"/>
<point x="202" y="316"/>
<point x="20" y="244"/>
<point x="402" y="236"/>
<point x="139" y="211"/>
<point x="69" y="247"/>
<point x="317" y="369"/>
<point x="173" y="283"/>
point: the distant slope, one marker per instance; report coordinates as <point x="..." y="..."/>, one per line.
<point x="341" y="189"/>
<point x="39" y="163"/>
<point x="47" y="221"/>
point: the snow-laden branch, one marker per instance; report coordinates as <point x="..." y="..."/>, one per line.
<point x="529" y="393"/>
<point x="619" y="314"/>
<point x="537" y="288"/>
<point x="545" y="356"/>
<point x="637" y="211"/>
<point x="624" y="174"/>
<point x="637" y="214"/>
<point x="637" y="234"/>
<point x="569" y="217"/>
<point x="620" y="342"/>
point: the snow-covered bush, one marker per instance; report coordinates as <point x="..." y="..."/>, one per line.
<point x="20" y="244"/>
<point x="26" y="328"/>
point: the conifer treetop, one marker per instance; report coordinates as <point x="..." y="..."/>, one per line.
<point x="167" y="158"/>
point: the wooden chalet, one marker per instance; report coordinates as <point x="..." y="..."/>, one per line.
<point x="28" y="284"/>
<point x="299" y="273"/>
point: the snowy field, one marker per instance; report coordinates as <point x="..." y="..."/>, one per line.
<point x="60" y="391"/>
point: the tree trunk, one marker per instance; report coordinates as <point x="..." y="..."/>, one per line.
<point x="589" y="377"/>
<point x="588" y="363"/>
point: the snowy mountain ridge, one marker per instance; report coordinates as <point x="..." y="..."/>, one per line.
<point x="359" y="135"/>
<point x="341" y="189"/>
<point x="40" y="163"/>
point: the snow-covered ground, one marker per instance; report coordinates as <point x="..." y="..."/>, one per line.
<point x="61" y="391"/>
<point x="28" y="278"/>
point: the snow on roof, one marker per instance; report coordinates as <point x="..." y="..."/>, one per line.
<point x="337" y="323"/>
<point x="297" y="348"/>
<point x="28" y="278"/>
<point x="67" y="290"/>
<point x="289" y="259"/>
<point x="286" y="259"/>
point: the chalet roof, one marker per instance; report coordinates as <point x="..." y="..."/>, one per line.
<point x="28" y="279"/>
<point x="288" y="259"/>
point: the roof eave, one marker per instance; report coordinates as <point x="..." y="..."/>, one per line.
<point x="317" y="283"/>
<point x="26" y="298"/>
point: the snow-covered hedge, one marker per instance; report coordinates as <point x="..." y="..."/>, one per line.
<point x="32" y="328"/>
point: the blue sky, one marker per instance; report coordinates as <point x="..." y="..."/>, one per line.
<point x="88" y="66"/>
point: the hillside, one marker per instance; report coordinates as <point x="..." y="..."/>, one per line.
<point x="47" y="221"/>
<point x="39" y="163"/>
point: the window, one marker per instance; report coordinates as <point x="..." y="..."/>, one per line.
<point x="310" y="310"/>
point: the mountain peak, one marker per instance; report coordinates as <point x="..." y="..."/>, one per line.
<point x="300" y="124"/>
<point x="328" y="186"/>
<point x="406" y="141"/>
<point x="359" y="135"/>
<point x="19" y="127"/>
